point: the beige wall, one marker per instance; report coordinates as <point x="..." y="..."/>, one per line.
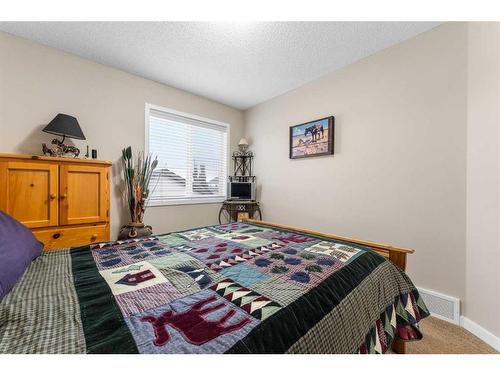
<point x="483" y="177"/>
<point x="399" y="172"/>
<point x="37" y="82"/>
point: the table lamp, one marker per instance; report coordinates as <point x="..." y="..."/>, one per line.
<point x="65" y="126"/>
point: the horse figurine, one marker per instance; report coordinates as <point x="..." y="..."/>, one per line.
<point x="60" y="149"/>
<point x="65" y="148"/>
<point x="48" y="151"/>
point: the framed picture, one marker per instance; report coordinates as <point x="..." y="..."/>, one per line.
<point x="313" y="138"/>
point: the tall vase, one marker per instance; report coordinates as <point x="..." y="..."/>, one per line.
<point x="134" y="230"/>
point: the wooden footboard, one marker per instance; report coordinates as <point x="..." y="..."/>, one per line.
<point x="395" y="254"/>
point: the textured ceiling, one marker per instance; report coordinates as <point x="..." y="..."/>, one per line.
<point x="238" y="64"/>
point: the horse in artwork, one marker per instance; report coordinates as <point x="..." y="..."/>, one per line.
<point x="313" y="131"/>
<point x="316" y="131"/>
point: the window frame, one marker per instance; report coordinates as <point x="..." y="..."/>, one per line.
<point x="177" y="202"/>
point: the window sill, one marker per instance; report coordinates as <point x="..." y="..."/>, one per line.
<point x="181" y="202"/>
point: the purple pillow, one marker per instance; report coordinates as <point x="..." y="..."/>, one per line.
<point x="18" y="248"/>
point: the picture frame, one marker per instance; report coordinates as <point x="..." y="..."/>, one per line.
<point x="312" y="138"/>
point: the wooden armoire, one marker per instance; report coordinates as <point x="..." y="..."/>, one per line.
<point x="65" y="202"/>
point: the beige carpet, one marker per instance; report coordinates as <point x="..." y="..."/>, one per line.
<point x="441" y="337"/>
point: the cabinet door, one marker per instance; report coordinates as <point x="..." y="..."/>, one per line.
<point x="83" y="194"/>
<point x="29" y="192"/>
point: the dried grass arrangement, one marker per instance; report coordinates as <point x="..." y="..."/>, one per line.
<point x="137" y="178"/>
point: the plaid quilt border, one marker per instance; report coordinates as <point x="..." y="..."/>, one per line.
<point x="43" y="304"/>
<point x="104" y="327"/>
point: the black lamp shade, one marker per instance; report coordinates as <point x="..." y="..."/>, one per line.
<point x="66" y="126"/>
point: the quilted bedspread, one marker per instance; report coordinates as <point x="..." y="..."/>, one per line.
<point x="235" y="288"/>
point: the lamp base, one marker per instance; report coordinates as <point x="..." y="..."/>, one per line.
<point x="60" y="149"/>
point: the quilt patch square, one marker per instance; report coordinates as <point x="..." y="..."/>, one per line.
<point x="214" y="250"/>
<point x="179" y="265"/>
<point x="340" y="252"/>
<point x="183" y="282"/>
<point x="288" y="238"/>
<point x="301" y="268"/>
<point x="197" y="234"/>
<point x="172" y="239"/>
<point x="209" y="241"/>
<point x="244" y="274"/>
<point x="147" y="298"/>
<point x="245" y="239"/>
<point x="279" y="290"/>
<point x="268" y="235"/>
<point x="132" y="277"/>
<point x="200" y="323"/>
<point x="176" y="260"/>
<point x="231" y="227"/>
<point x="189" y="280"/>
<point x="301" y="246"/>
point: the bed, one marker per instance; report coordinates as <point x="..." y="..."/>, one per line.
<point x="243" y="287"/>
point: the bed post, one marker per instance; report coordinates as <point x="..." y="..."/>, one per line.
<point x="398" y="258"/>
<point x="398" y="346"/>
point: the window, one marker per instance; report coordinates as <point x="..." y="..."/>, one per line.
<point x="192" y="157"/>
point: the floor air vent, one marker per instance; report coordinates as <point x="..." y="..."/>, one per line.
<point x="442" y="306"/>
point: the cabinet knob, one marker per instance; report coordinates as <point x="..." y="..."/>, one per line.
<point x="56" y="236"/>
<point x="93" y="237"/>
<point x="63" y="196"/>
<point x="53" y="196"/>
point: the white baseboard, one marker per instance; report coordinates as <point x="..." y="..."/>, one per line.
<point x="480" y="332"/>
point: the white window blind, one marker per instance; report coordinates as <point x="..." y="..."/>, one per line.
<point x="192" y="157"/>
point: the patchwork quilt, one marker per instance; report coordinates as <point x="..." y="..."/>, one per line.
<point x="235" y="288"/>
